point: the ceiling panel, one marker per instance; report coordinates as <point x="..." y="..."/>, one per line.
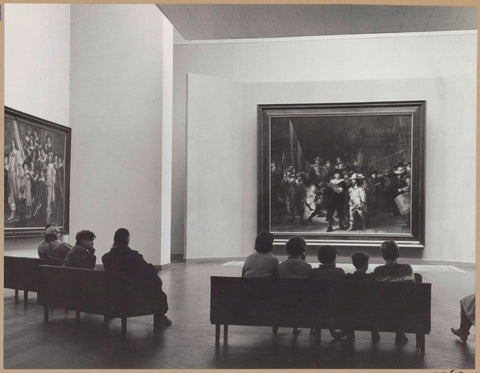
<point x="390" y="18"/>
<point x="239" y="21"/>
<point x="416" y="18"/>
<point x="312" y="19"/>
<point x="337" y="19"/>
<point x="443" y="17"/>
<point x="466" y="20"/>
<point x="363" y="19"/>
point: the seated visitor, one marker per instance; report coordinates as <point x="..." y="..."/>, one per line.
<point x="52" y="248"/>
<point x="360" y="262"/>
<point x="261" y="263"/>
<point x="82" y="255"/>
<point x="467" y="317"/>
<point x="295" y="266"/>
<point x="327" y="270"/>
<point x="51" y="234"/>
<point x="394" y="272"/>
<point x="121" y="258"/>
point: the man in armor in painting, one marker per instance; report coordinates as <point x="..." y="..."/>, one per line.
<point x="335" y="199"/>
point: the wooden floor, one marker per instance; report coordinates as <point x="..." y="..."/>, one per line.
<point x="189" y="342"/>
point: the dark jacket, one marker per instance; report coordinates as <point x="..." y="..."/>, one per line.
<point x="328" y="272"/>
<point x="394" y="273"/>
<point x="359" y="276"/>
<point x="80" y="257"/>
<point x="143" y="275"/>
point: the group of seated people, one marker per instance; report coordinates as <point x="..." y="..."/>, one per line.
<point x="263" y="264"/>
<point x="120" y="258"/>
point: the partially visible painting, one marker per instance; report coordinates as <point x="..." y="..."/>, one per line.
<point x="36" y="174"/>
<point x="343" y="171"/>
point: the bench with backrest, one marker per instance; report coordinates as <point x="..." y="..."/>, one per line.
<point x="22" y="274"/>
<point x="111" y="294"/>
<point x="357" y="305"/>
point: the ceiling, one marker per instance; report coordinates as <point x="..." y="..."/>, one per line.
<point x="241" y="21"/>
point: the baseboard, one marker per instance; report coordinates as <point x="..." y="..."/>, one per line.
<point x="177" y="258"/>
<point x="206" y="260"/>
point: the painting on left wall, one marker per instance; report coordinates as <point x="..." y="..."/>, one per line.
<point x="36" y="174"/>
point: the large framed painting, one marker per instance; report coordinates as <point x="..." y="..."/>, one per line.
<point x="351" y="174"/>
<point x="36" y="175"/>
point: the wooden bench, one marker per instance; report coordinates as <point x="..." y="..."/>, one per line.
<point x="22" y="274"/>
<point x="111" y="294"/>
<point x="370" y="305"/>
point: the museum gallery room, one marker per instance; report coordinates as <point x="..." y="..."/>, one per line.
<point x="197" y="186"/>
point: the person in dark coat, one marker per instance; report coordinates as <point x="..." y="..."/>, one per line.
<point x="121" y="258"/>
<point x="82" y="255"/>
<point x="394" y="272"/>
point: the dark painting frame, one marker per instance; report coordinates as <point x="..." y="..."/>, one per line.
<point x="414" y="109"/>
<point x="46" y="127"/>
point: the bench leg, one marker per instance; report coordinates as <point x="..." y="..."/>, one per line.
<point x="16" y="296"/>
<point x="225" y="334"/>
<point x="217" y="334"/>
<point x="421" y="343"/>
<point x="124" y="326"/>
<point x="318" y="336"/>
<point x="77" y="316"/>
<point x="45" y="313"/>
<point x="25" y="298"/>
<point x="105" y="321"/>
<point x="274" y="329"/>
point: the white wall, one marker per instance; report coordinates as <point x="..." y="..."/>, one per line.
<point x="37" y="68"/>
<point x="214" y="219"/>
<point x="343" y="69"/>
<point x="117" y="110"/>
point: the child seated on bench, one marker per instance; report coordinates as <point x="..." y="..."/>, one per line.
<point x="360" y="262"/>
<point x="328" y="270"/>
<point x="295" y="266"/>
<point x="261" y="263"/>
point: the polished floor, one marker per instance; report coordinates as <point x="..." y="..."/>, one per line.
<point x="189" y="342"/>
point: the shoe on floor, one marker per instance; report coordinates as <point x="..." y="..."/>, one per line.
<point x="164" y="322"/>
<point x="459" y="333"/>
<point x="401" y="339"/>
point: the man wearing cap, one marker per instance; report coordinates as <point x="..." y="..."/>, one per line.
<point x="335" y="198"/>
<point x="358" y="201"/>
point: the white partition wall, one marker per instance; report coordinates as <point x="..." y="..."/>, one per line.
<point x="214" y="153"/>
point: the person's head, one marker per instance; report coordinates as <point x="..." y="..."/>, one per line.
<point x="408" y="180"/>
<point x="327" y="254"/>
<point x="360" y="260"/>
<point x="373" y="174"/>
<point x="295" y="246"/>
<point x="121" y="236"/>
<point x="85" y="238"/>
<point x="339" y="160"/>
<point x="49" y="139"/>
<point x="390" y="250"/>
<point x="264" y="242"/>
<point x="25" y="166"/>
<point x="336" y="175"/>
<point x="52" y="233"/>
<point x="317" y="160"/>
<point x="328" y="164"/>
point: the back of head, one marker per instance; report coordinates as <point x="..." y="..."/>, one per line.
<point x="51" y="233"/>
<point x="264" y="242"/>
<point x="327" y="254"/>
<point x="85" y="235"/>
<point x="360" y="260"/>
<point x="121" y="236"/>
<point x="390" y="250"/>
<point x="296" y="246"/>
